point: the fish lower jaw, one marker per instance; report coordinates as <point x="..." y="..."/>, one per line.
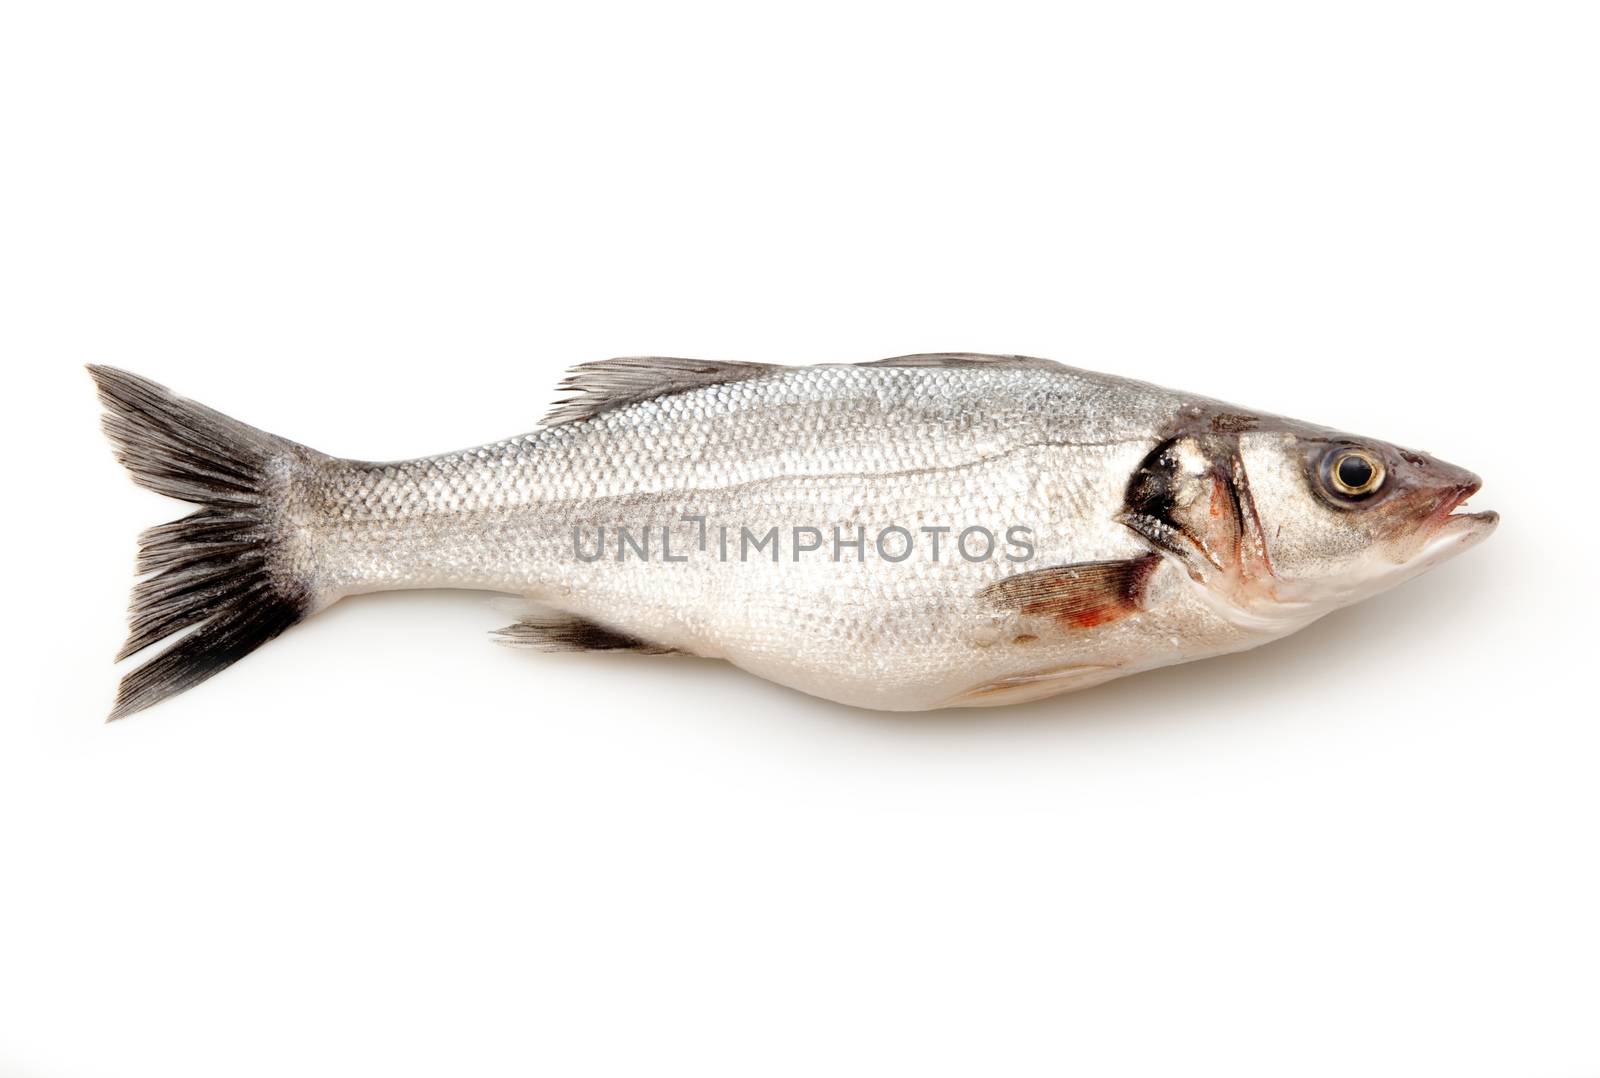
<point x="1456" y="532"/>
<point x="1453" y="534"/>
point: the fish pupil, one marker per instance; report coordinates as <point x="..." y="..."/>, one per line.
<point x="1355" y="472"/>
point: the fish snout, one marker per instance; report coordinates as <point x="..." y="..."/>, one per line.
<point x="1433" y="492"/>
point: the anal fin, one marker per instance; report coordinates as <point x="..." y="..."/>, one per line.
<point x="1080" y="596"/>
<point x="560" y="631"/>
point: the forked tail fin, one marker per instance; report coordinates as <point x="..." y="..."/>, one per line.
<point x="221" y="572"/>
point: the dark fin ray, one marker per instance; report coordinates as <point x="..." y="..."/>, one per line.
<point x="218" y="575"/>
<point x="156" y="616"/>
<point x="260" y="614"/>
<point x="558" y="631"/>
<point x="1078" y="596"/>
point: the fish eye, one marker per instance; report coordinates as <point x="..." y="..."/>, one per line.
<point x="1353" y="473"/>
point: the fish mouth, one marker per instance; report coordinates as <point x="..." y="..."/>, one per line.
<point x="1451" y="525"/>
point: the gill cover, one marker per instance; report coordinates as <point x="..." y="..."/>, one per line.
<point x="1190" y="498"/>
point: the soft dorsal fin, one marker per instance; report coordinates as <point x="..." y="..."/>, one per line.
<point x="962" y="359"/>
<point x="608" y="384"/>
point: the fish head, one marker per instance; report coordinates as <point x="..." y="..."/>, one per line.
<point x="1281" y="522"/>
<point x="1347" y="517"/>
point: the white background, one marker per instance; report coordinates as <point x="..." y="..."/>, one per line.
<point x="383" y="846"/>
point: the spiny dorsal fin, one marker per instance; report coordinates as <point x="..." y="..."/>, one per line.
<point x="608" y="384"/>
<point x="555" y="630"/>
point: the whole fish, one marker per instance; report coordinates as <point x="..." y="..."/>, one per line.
<point x="922" y="532"/>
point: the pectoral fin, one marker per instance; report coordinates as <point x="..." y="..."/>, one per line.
<point x="1079" y="596"/>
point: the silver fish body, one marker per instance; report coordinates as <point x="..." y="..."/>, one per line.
<point x="918" y="533"/>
